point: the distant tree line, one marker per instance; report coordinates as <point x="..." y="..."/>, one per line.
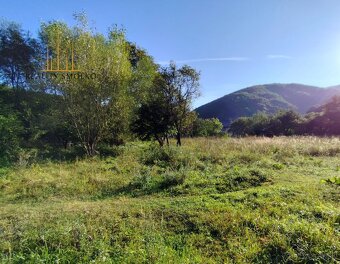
<point x="321" y="121"/>
<point x="131" y="96"/>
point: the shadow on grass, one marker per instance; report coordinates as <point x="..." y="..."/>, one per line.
<point x="174" y="184"/>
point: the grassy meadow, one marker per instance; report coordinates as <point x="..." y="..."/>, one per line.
<point x="213" y="200"/>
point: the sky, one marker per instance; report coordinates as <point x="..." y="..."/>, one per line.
<point x="233" y="43"/>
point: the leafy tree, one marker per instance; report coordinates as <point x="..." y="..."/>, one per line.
<point x="285" y="123"/>
<point x="144" y="72"/>
<point x="18" y="54"/>
<point x="207" y="127"/>
<point x="259" y="124"/>
<point x="41" y="115"/>
<point x="167" y="110"/>
<point x="241" y="127"/>
<point x="153" y="122"/>
<point x="325" y="119"/>
<point x="282" y="123"/>
<point x="95" y="105"/>
<point x="178" y="86"/>
<point x="189" y="124"/>
<point x="102" y="108"/>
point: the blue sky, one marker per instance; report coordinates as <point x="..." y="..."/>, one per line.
<point x="234" y="43"/>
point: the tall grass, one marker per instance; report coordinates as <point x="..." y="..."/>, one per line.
<point x="214" y="200"/>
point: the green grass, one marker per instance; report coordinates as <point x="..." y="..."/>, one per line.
<point x="251" y="200"/>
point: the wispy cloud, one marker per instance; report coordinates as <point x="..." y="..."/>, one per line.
<point x="278" y="56"/>
<point x="206" y="59"/>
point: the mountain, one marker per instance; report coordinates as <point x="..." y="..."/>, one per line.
<point x="268" y="98"/>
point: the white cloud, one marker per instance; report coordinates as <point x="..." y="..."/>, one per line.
<point x="206" y="59"/>
<point x="278" y="56"/>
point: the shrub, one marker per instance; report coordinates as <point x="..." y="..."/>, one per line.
<point x="172" y="178"/>
<point x="167" y="157"/>
<point x="156" y="155"/>
<point x="240" y="178"/>
<point x="10" y="128"/>
<point x="207" y="127"/>
<point x="143" y="180"/>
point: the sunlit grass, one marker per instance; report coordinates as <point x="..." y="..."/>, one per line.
<point x="214" y="200"/>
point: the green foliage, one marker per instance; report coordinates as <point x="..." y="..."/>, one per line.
<point x="10" y="129"/>
<point x="323" y="121"/>
<point x="41" y="115"/>
<point x="157" y="155"/>
<point x="100" y="109"/>
<point x="207" y="127"/>
<point x="172" y="178"/>
<point x="95" y="105"/>
<point x="144" y="72"/>
<point x="167" y="157"/>
<point x="285" y="123"/>
<point x="332" y="181"/>
<point x="170" y="106"/>
<point x="153" y="121"/>
<point x="18" y="54"/>
<point x="240" y="178"/>
<point x="148" y="182"/>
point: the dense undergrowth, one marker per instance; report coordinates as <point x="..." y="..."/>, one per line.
<point x="251" y="200"/>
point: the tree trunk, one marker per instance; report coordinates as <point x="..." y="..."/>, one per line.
<point x="178" y="137"/>
<point x="160" y="140"/>
<point x="65" y="144"/>
<point x="167" y="140"/>
<point x="90" y="148"/>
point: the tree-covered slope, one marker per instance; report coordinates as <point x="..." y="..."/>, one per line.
<point x="267" y="98"/>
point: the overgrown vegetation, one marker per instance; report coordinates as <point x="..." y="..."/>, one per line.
<point x="212" y="200"/>
<point x="109" y="90"/>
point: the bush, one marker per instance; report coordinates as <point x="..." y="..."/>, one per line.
<point x="10" y="128"/>
<point x="143" y="180"/>
<point x="167" y="157"/>
<point x="240" y="178"/>
<point x="207" y="127"/>
<point x="172" y="178"/>
<point x="156" y="155"/>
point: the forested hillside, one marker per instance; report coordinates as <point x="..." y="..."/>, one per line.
<point x="268" y="98"/>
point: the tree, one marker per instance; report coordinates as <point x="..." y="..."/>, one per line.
<point x="167" y="108"/>
<point x="189" y="124"/>
<point x="325" y="119"/>
<point x="97" y="98"/>
<point x="285" y="123"/>
<point x="144" y="71"/>
<point x="153" y="121"/>
<point x="282" y="123"/>
<point x="241" y="127"/>
<point x="178" y="87"/>
<point x="18" y="53"/>
<point x="207" y="127"/>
